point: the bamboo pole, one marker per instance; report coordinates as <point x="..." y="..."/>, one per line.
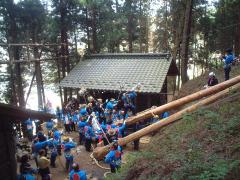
<point x="183" y="101"/>
<point x="100" y="152"/>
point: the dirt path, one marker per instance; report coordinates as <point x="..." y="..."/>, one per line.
<point x="86" y="163"/>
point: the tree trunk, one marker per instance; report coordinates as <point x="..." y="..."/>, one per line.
<point x="94" y="29"/>
<point x="129" y="26"/>
<point x="14" y="53"/>
<point x="237" y="38"/>
<point x="19" y="78"/>
<point x="185" y="40"/>
<point x="63" y="13"/>
<point x="38" y="79"/>
<point x="141" y="28"/>
<point x="88" y="33"/>
<point x="59" y="75"/>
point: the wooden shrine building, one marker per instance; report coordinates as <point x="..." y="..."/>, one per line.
<point x="8" y="116"/>
<point x="107" y="75"/>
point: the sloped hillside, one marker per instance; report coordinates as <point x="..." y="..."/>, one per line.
<point x="203" y="145"/>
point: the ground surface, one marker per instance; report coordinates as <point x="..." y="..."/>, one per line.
<point x="85" y="161"/>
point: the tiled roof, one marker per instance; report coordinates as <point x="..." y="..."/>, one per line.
<point x="109" y="71"/>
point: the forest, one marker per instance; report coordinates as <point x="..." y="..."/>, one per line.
<point x="42" y="40"/>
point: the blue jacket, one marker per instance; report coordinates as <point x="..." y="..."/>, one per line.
<point x="67" y="150"/>
<point x="49" y="125"/>
<point x="114" y="157"/>
<point x="81" y="126"/>
<point x="109" y="106"/>
<point x="29" y="124"/>
<point x="40" y="145"/>
<point x="88" y="132"/>
<point x="83" y="112"/>
<point x="69" y="145"/>
<point x="165" y="115"/>
<point x="57" y="135"/>
<point x="77" y="175"/>
<point x="26" y="177"/>
<point x="75" y="118"/>
<point x="132" y="95"/>
<point x="121" y="130"/>
<point x="228" y="59"/>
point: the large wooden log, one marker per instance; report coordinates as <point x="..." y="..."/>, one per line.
<point x="100" y="152"/>
<point x="182" y="101"/>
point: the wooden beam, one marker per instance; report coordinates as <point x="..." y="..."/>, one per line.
<point x="19" y="114"/>
<point x="33" y="60"/>
<point x="100" y="152"/>
<point x="180" y="102"/>
<point x="32" y="44"/>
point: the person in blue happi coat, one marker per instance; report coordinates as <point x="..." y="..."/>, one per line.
<point x="67" y="153"/>
<point x="90" y="136"/>
<point x="29" y="126"/>
<point x="81" y="126"/>
<point x="129" y="101"/>
<point x="114" y="157"/>
<point x="75" y="119"/>
<point x="53" y="151"/>
<point x="37" y="146"/>
<point x="76" y="173"/>
<point x="228" y="60"/>
<point x="49" y="126"/>
<point x="57" y="138"/>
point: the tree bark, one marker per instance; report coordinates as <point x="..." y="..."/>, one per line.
<point x="88" y="33"/>
<point x="94" y="29"/>
<point x="129" y="26"/>
<point x="38" y="79"/>
<point x="141" y="28"/>
<point x="14" y="53"/>
<point x="59" y="75"/>
<point x="63" y="14"/>
<point x="237" y="38"/>
<point x="185" y="40"/>
<point x="19" y="77"/>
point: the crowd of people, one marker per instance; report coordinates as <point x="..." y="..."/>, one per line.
<point x="96" y="122"/>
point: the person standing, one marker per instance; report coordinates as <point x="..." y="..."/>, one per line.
<point x="113" y="158"/>
<point x="29" y="125"/>
<point x="43" y="164"/>
<point x="66" y="123"/>
<point x="89" y="134"/>
<point x="68" y="154"/>
<point x="49" y="126"/>
<point x="228" y="60"/>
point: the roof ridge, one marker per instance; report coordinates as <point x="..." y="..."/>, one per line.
<point x="162" y="55"/>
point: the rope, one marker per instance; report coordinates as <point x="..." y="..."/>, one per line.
<point x="154" y="115"/>
<point x="97" y="163"/>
